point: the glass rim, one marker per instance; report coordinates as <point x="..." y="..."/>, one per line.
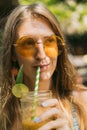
<point x="40" y="94"/>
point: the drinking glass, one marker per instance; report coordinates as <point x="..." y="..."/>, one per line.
<point x="31" y="108"/>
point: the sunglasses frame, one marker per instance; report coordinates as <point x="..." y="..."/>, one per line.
<point x="59" y="40"/>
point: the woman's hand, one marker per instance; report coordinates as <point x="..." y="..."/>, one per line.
<point x="60" y="122"/>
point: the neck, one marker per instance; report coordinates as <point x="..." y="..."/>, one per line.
<point x="43" y="85"/>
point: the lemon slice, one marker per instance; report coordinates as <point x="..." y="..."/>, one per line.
<point x="19" y="90"/>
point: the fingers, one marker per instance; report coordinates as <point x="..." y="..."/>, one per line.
<point x="59" y="124"/>
<point x="57" y="118"/>
<point x="54" y="103"/>
<point x="50" y="103"/>
<point x="53" y="112"/>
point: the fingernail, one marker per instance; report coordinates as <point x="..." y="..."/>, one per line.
<point x="43" y="104"/>
<point x="37" y="119"/>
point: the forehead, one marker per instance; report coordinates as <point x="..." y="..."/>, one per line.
<point x="34" y="27"/>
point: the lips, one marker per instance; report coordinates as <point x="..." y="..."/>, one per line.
<point x="43" y="67"/>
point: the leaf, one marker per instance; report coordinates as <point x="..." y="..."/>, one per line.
<point x="19" y="78"/>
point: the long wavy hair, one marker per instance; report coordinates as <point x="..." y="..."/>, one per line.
<point x="63" y="78"/>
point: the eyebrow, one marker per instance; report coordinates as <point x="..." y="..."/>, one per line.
<point x="24" y="38"/>
<point x="29" y="36"/>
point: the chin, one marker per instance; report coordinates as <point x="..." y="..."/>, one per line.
<point x="45" y="77"/>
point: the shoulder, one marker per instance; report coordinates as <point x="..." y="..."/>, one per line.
<point x="81" y="94"/>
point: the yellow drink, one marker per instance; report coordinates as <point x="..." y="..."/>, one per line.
<point x="27" y="125"/>
<point x="26" y="105"/>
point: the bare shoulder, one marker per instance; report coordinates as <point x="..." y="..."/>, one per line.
<point x="81" y="94"/>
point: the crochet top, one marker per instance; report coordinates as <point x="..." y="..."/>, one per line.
<point x="74" y="119"/>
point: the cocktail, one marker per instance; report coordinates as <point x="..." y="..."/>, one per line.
<point x="29" y="112"/>
<point x="31" y="101"/>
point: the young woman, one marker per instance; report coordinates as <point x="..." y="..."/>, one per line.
<point x="33" y="38"/>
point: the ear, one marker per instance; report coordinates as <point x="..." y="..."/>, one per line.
<point x="15" y="66"/>
<point x="14" y="72"/>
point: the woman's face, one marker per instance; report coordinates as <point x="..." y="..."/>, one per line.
<point x="36" y="46"/>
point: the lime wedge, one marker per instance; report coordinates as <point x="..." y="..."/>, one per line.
<point x="19" y="90"/>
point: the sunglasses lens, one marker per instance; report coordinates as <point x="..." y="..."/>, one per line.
<point x="30" y="41"/>
<point x="25" y="46"/>
<point x="25" y="42"/>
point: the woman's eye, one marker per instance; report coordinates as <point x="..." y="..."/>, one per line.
<point x="30" y="42"/>
<point x="49" y="42"/>
<point x="27" y="43"/>
<point x="22" y="44"/>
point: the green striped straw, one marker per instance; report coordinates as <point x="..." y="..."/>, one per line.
<point x="37" y="82"/>
<point x="34" y="105"/>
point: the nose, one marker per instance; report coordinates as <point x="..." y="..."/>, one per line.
<point x="40" y="53"/>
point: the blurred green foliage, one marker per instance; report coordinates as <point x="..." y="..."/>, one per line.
<point x="72" y="14"/>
